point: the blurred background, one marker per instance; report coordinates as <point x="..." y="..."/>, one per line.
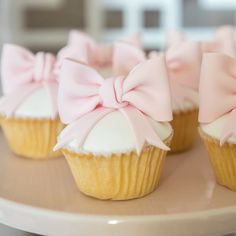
<point x="44" y="25"/>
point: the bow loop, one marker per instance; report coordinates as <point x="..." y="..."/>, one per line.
<point x="79" y="85"/>
<point x="218" y="85"/>
<point x="217" y="91"/>
<point x="184" y="63"/>
<point x="44" y="67"/>
<point x="223" y="42"/>
<point x="126" y="57"/>
<point x="183" y="59"/>
<point x="78" y="48"/>
<point x="146" y="87"/>
<point x="16" y="67"/>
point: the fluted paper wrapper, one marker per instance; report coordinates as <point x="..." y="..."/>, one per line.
<point x="32" y="138"/>
<point x="223" y="160"/>
<point x="118" y="176"/>
<point x="185" y="125"/>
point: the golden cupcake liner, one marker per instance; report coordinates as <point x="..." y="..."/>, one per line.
<point x="185" y="125"/>
<point x="32" y="138"/>
<point x="223" y="160"/>
<point x="119" y="176"/>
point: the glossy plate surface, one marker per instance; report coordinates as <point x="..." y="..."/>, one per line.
<point x="41" y="197"/>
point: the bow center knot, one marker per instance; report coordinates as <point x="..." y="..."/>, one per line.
<point x="111" y="93"/>
<point x="44" y="67"/>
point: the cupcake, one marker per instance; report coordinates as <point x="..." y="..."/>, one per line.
<point x="117" y="132"/>
<point x="217" y="115"/>
<point x="183" y="59"/>
<point x="97" y="55"/>
<point x="184" y="62"/>
<point x="28" y="108"/>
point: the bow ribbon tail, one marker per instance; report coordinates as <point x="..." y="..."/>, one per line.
<point x="229" y="129"/>
<point x="80" y="128"/>
<point x="13" y="100"/>
<point x="142" y="129"/>
<point x="52" y="90"/>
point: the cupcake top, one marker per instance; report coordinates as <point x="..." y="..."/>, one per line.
<point x="117" y="114"/>
<point x="38" y="105"/>
<point x="217" y="113"/>
<point x="29" y="83"/>
<point x="113" y="134"/>
<point x="183" y="58"/>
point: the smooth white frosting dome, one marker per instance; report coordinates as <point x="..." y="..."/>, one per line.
<point x="186" y="104"/>
<point x="215" y="128"/>
<point x="113" y="134"/>
<point x="36" y="105"/>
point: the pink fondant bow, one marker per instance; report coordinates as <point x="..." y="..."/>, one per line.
<point x="83" y="48"/>
<point x="85" y="98"/>
<point x="183" y="59"/>
<point x="22" y="73"/>
<point x="223" y="42"/>
<point x="218" y="91"/>
<point x="125" y="58"/>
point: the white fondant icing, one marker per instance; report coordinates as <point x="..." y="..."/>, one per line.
<point x="37" y="105"/>
<point x="215" y="128"/>
<point x="113" y="134"/>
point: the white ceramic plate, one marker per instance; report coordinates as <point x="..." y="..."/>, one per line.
<point x="41" y="197"/>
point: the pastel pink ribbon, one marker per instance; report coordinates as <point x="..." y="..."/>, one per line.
<point x="218" y="91"/>
<point x="85" y="98"/>
<point x="22" y="73"/>
<point x="223" y="42"/>
<point x="83" y="48"/>
<point x="184" y="69"/>
<point x="125" y="57"/>
<point x="183" y="59"/>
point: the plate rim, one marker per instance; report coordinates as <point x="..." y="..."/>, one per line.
<point x="10" y="204"/>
